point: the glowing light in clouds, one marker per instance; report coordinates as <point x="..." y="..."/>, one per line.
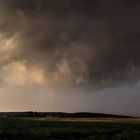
<point x="18" y="73"/>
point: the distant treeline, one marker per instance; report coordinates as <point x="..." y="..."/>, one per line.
<point x="60" y="114"/>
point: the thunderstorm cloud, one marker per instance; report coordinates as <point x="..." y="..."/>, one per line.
<point x="69" y="43"/>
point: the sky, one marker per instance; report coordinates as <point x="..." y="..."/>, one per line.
<point x="70" y="56"/>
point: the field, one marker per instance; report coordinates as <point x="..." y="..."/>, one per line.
<point x="68" y="129"/>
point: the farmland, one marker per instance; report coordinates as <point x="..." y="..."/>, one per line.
<point x="12" y="128"/>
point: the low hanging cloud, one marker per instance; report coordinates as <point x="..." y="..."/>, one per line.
<point x="74" y="43"/>
<point x="17" y="73"/>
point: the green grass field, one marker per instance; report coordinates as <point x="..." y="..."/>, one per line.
<point x="36" y="129"/>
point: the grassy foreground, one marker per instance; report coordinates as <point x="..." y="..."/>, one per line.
<point x="35" y="129"/>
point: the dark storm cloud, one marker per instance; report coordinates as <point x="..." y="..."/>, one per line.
<point x="90" y="42"/>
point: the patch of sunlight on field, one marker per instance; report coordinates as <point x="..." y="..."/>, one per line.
<point x="115" y="120"/>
